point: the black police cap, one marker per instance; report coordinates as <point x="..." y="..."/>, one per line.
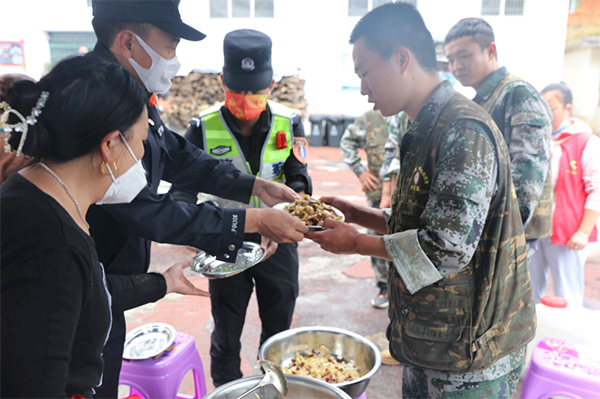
<point x="247" y="55"/>
<point x="161" y="13"/>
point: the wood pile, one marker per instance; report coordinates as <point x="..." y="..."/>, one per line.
<point x="194" y="92"/>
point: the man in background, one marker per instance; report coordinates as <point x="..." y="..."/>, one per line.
<point x="258" y="137"/>
<point x="370" y="131"/>
<point x="521" y="114"/>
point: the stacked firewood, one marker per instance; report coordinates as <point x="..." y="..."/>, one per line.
<point x="195" y="92"/>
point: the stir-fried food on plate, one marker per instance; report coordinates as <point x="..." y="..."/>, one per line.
<point x="312" y="211"/>
<point x="322" y="365"/>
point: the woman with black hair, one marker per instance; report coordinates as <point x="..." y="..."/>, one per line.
<point x="83" y="125"/>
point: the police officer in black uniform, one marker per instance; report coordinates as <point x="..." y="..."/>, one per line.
<point x="142" y="37"/>
<point x="258" y="136"/>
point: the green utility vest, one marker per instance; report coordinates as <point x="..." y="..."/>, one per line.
<point x="470" y="319"/>
<point x="222" y="144"/>
<point x="540" y="225"/>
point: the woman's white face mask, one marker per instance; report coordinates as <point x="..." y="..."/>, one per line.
<point x="127" y="186"/>
<point x="157" y="78"/>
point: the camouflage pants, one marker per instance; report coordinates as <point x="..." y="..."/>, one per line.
<point x="497" y="381"/>
<point x="380" y="266"/>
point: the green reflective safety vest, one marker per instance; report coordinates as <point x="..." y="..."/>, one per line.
<point x="220" y="143"/>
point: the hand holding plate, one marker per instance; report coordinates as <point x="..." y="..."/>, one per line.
<point x="338" y="238"/>
<point x="347" y="208"/>
<point x="271" y="192"/>
<point x="178" y="283"/>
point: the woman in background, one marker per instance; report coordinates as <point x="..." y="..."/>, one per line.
<point x="9" y="162"/>
<point x="576" y="205"/>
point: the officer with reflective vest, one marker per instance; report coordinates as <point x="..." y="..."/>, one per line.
<point x="262" y="138"/>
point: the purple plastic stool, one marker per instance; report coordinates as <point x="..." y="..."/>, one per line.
<point x="561" y="368"/>
<point x="159" y="377"/>
<point x="363" y="396"/>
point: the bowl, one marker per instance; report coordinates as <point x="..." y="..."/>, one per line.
<point x="352" y="347"/>
<point x="298" y="388"/>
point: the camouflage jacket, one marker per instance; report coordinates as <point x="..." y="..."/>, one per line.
<point x="391" y="162"/>
<point x="369" y="131"/>
<point x="525" y="121"/>
<point x="458" y="285"/>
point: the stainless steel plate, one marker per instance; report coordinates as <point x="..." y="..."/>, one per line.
<point x="148" y="340"/>
<point x="311" y="228"/>
<point x="249" y="255"/>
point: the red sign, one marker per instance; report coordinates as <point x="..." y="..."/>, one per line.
<point x="11" y="53"/>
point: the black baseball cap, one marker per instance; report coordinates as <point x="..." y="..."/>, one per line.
<point x="161" y="13"/>
<point x="247" y="65"/>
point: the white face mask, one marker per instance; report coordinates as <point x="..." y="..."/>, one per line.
<point x="127" y="186"/>
<point x="157" y="79"/>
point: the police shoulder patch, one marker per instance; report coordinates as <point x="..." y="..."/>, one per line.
<point x="220" y="150"/>
<point x="299" y="149"/>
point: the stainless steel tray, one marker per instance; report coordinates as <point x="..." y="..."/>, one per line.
<point x="249" y="255"/>
<point x="148" y="340"/>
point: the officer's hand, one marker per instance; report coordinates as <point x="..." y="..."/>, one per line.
<point x="178" y="283"/>
<point x="368" y="181"/>
<point x="275" y="225"/>
<point x="272" y="193"/>
<point x="339" y="238"/>
<point x="268" y="246"/>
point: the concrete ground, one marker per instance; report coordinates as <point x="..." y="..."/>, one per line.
<point x="335" y="291"/>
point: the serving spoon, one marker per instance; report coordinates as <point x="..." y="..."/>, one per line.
<point x="273" y="385"/>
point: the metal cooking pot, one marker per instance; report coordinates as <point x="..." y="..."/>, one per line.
<point x="298" y="388"/>
<point x="352" y="347"/>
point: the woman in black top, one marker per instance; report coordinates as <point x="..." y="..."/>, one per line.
<point x="84" y="124"/>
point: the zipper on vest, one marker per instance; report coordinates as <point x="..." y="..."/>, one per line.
<point x="406" y="310"/>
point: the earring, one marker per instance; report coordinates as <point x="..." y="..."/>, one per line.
<point x="105" y="168"/>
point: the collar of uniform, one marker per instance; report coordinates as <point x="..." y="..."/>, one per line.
<point x="490" y="84"/>
<point x="100" y="50"/>
<point x="429" y="114"/>
<point x="262" y="125"/>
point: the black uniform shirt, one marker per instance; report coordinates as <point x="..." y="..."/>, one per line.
<point x="122" y="231"/>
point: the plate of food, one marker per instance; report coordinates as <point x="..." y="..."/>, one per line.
<point x="249" y="255"/>
<point x="311" y="211"/>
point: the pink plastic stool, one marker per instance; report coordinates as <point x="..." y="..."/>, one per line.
<point x="159" y="377"/>
<point x="561" y="368"/>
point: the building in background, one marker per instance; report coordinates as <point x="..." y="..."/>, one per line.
<point x="308" y="35"/>
<point x="582" y="60"/>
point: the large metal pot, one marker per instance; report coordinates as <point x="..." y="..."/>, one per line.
<point x="298" y="388"/>
<point x="352" y="347"/>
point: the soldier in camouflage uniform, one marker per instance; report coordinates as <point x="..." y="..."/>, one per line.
<point x="461" y="304"/>
<point x="520" y="112"/>
<point x="370" y="131"/>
